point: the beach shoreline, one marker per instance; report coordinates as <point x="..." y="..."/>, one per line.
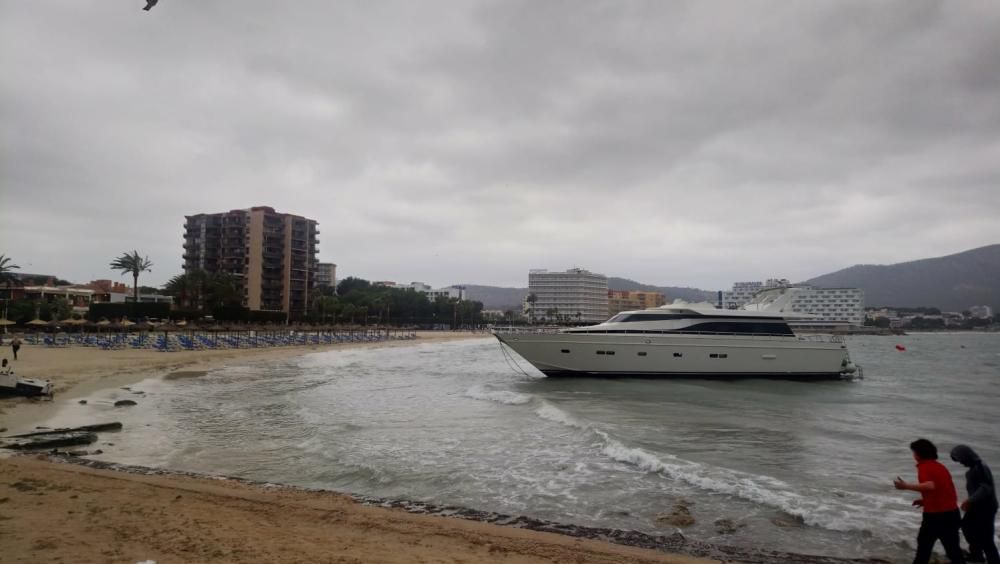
<point x="240" y="520"/>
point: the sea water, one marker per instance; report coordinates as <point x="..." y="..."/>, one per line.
<point x="801" y="467"/>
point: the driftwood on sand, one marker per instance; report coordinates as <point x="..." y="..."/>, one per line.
<point x="54" y="438"/>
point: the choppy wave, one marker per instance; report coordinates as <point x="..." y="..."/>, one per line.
<point x="844" y="512"/>
<point x="497" y="396"/>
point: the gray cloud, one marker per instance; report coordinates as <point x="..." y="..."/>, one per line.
<point x="689" y="143"/>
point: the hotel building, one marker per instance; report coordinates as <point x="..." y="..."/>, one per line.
<point x="274" y="254"/>
<point x="832" y="305"/>
<point x="576" y="295"/>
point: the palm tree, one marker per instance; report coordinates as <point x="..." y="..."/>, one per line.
<point x="134" y="264"/>
<point x="5" y="269"/>
<point x="6" y="276"/>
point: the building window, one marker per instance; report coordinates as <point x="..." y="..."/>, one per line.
<point x="678" y="355"/>
<point x="565" y="351"/>
<point x="642" y="354"/>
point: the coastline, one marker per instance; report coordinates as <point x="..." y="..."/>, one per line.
<point x="53" y="511"/>
<point x="133" y="498"/>
<point x="225" y="519"/>
<point x="77" y="372"/>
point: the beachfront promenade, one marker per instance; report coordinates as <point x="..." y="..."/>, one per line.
<point x="215" y="340"/>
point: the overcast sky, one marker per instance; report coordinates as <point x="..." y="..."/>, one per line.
<point x="683" y="143"/>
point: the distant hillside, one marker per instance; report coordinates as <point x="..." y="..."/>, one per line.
<point x="672" y="292"/>
<point x="951" y="283"/>
<point x="495" y="297"/>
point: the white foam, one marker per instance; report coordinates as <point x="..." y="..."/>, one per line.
<point x="553" y="413"/>
<point x="497" y="396"/>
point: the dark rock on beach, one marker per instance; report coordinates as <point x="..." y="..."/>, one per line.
<point x="82" y="402"/>
<point x="124" y="403"/>
<point x="788" y="521"/>
<point x="727" y="526"/>
<point x="52" y="441"/>
<point x="680" y="516"/>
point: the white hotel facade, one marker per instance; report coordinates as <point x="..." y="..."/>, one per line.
<point x="575" y="291"/>
<point x="834" y="305"/>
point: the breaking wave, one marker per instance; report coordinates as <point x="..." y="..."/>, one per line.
<point x="497" y="396"/>
<point x="843" y="512"/>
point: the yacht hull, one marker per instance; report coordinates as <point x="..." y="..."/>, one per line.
<point x="680" y="355"/>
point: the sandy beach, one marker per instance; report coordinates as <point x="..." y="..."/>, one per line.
<point x="52" y="512"/>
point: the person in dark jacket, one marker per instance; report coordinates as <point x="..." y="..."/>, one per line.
<point x="980" y="508"/>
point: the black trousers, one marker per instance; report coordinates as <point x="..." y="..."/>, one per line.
<point x="939" y="526"/>
<point x="978" y="529"/>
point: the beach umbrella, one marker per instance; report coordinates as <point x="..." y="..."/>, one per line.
<point x="37" y="322"/>
<point x="5" y="321"/>
<point x="168" y="326"/>
<point x="103" y="323"/>
<point x="126" y="323"/>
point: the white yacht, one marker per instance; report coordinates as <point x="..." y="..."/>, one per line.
<point x="688" y="340"/>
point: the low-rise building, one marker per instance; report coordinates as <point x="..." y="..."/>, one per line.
<point x="78" y="298"/>
<point x="449" y="292"/>
<point x="326" y="275"/>
<point x="625" y="300"/>
<point x="980" y="312"/>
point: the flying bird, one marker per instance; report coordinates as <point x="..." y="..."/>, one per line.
<point x="150" y="4"/>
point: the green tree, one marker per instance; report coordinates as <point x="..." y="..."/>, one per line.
<point x="133" y="264"/>
<point x="348" y="312"/>
<point x="205" y="290"/>
<point x="350" y="284"/>
<point x="531" y="299"/>
<point x="61" y="309"/>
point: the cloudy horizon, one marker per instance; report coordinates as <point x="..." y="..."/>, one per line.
<point x="684" y="143"/>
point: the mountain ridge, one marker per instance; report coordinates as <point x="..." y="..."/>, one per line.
<point x="951" y="282"/>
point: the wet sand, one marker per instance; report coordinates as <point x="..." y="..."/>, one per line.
<point x="54" y="512"/>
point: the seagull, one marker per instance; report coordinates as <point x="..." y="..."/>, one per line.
<point x="150" y="4"/>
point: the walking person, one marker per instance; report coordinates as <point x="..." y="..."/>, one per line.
<point x="15" y="346"/>
<point x="941" y="518"/>
<point x="980" y="508"/>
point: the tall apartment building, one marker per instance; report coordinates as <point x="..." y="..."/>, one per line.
<point x="843" y="305"/>
<point x="274" y="254"/>
<point x="576" y="294"/>
<point x="326" y="275"/>
<point x="626" y="300"/>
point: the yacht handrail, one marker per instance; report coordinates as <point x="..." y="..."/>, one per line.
<point x="557" y="330"/>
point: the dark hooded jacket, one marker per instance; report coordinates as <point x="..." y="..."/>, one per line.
<point x="978" y="481"/>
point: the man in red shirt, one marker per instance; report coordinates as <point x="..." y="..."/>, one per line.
<point x="942" y="519"/>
